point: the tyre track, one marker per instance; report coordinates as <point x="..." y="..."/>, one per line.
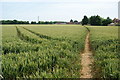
<point x="26" y="38"/>
<point x="43" y="36"/>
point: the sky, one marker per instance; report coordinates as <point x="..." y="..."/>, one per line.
<point x="56" y="10"/>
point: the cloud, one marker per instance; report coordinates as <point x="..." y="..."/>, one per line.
<point x="104" y="0"/>
<point x="58" y="9"/>
<point x="59" y="0"/>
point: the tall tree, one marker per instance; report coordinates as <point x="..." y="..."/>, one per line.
<point x="33" y="22"/>
<point x="85" y="20"/>
<point x="107" y="21"/>
<point x="75" y="21"/>
<point x="95" y="20"/>
<point x="71" y="21"/>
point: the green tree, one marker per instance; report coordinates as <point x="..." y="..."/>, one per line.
<point x="71" y="21"/>
<point x="41" y="22"/>
<point x="15" y="21"/>
<point x="75" y="21"/>
<point x="33" y="22"/>
<point x="85" y="20"/>
<point x="107" y="21"/>
<point x="95" y="20"/>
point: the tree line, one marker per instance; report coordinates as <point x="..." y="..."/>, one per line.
<point x="93" y="20"/>
<point x="27" y="22"/>
<point x="13" y="22"/>
<point x="47" y="22"/>
<point x="96" y="21"/>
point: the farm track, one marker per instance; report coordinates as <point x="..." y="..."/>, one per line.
<point x="26" y="38"/>
<point x="86" y="58"/>
<point x="44" y="36"/>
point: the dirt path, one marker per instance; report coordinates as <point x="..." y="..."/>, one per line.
<point x="86" y="59"/>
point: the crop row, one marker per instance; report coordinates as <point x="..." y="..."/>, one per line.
<point x="49" y="59"/>
<point x="105" y="49"/>
<point x="27" y="38"/>
<point x="44" y="36"/>
<point x="12" y="44"/>
<point x="41" y="64"/>
<point x="19" y="46"/>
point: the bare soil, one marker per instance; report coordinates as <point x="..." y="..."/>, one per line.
<point x="86" y="59"/>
